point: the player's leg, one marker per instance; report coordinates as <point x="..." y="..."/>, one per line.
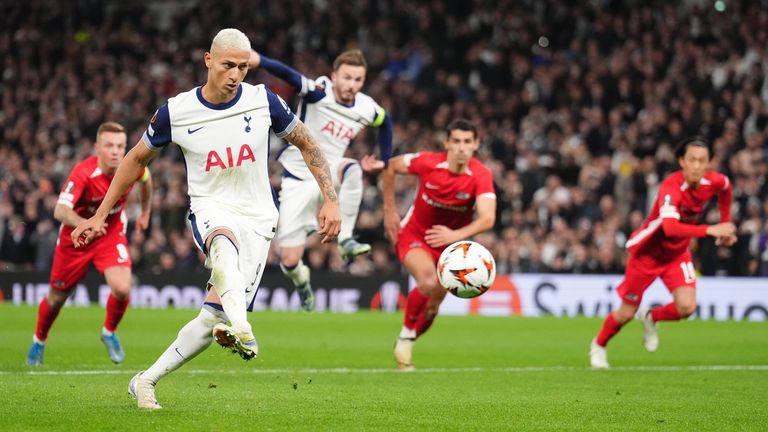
<point x="253" y="259"/>
<point x="680" y="278"/>
<point x="420" y="264"/>
<point x="228" y="280"/>
<point x="69" y="266"/>
<point x="350" y="197"/>
<point x="299" y="273"/>
<point x="112" y="259"/>
<point x="119" y="280"/>
<point x="637" y="278"/>
<point x="299" y="204"/>
<point x="192" y="339"/>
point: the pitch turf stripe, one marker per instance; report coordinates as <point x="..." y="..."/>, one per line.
<point x="425" y="370"/>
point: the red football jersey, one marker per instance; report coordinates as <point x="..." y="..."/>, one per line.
<point x="84" y="190"/>
<point x="677" y="200"/>
<point x="445" y="198"/>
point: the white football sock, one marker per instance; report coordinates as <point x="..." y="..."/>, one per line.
<point x="193" y="339"/>
<point x="406" y="333"/>
<point x="229" y="282"/>
<point x="296" y="275"/>
<point x="350" y="196"/>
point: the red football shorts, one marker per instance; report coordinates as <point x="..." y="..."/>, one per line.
<point x="643" y="270"/>
<point x="70" y="264"/>
<point x="409" y="240"/>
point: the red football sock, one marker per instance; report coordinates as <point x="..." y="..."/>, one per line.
<point x="423" y="323"/>
<point x="610" y="328"/>
<point x="414" y="307"/>
<point x="115" y="311"/>
<point x="668" y="312"/>
<point x="45" y="318"/>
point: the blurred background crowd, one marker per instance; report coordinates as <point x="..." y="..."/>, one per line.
<point x="579" y="105"/>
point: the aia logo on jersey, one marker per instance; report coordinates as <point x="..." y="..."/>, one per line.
<point x="217" y="160"/>
<point x="338" y="131"/>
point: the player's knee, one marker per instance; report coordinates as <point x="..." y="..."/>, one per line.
<point x="686" y="308"/>
<point x="430" y="286"/>
<point x="624" y="315"/>
<point x="56" y="299"/>
<point x="290" y="258"/>
<point x="223" y="252"/>
<point x="122" y="291"/>
<point x="209" y="316"/>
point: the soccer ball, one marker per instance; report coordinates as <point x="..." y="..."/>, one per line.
<point x="466" y="269"/>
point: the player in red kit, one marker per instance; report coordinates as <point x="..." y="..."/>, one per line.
<point x="659" y="248"/>
<point x="81" y="195"/>
<point x="453" y="185"/>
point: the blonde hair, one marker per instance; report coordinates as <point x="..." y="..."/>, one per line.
<point x="109" y="126"/>
<point x="231" y="39"/>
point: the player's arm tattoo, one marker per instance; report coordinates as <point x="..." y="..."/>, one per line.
<point x="314" y="158"/>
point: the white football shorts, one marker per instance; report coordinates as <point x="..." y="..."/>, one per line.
<point x="300" y="201"/>
<point x="252" y="247"/>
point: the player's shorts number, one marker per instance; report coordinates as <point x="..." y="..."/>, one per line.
<point x="122" y="251"/>
<point x="689" y="272"/>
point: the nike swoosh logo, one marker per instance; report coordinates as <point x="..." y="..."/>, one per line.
<point x="431" y="186"/>
<point x="191" y="131"/>
<point x="177" y="352"/>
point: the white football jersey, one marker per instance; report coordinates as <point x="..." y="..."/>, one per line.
<point x="226" y="149"/>
<point x="332" y="124"/>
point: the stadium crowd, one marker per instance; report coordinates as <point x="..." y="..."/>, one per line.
<point x="578" y="105"/>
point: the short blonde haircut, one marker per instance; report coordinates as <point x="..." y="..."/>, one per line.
<point x="231" y="39"/>
<point x="109" y="126"/>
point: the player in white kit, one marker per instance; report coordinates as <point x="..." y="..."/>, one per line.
<point x="335" y="111"/>
<point x="222" y="128"/>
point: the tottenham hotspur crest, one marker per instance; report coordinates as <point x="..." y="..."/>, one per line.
<point x="247" y="123"/>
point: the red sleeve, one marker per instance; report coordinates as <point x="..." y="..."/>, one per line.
<point x="417" y="163"/>
<point x="73" y="188"/>
<point x="675" y="228"/>
<point x="724" y="198"/>
<point x="484" y="185"/>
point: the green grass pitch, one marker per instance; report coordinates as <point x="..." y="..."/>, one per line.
<point x="335" y="372"/>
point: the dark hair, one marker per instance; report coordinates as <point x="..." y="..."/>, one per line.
<point x="694" y="141"/>
<point x="461" y="124"/>
<point x="353" y="57"/>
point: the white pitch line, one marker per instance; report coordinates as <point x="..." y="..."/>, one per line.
<point x="525" y="369"/>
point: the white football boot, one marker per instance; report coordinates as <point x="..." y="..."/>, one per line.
<point x="404" y="349"/>
<point x="598" y="356"/>
<point x="143" y="390"/>
<point x="650" y="331"/>
<point x="243" y="344"/>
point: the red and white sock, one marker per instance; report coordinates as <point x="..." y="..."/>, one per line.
<point x="45" y="318"/>
<point x="115" y="311"/>
<point x="609" y="330"/>
<point x="668" y="312"/>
